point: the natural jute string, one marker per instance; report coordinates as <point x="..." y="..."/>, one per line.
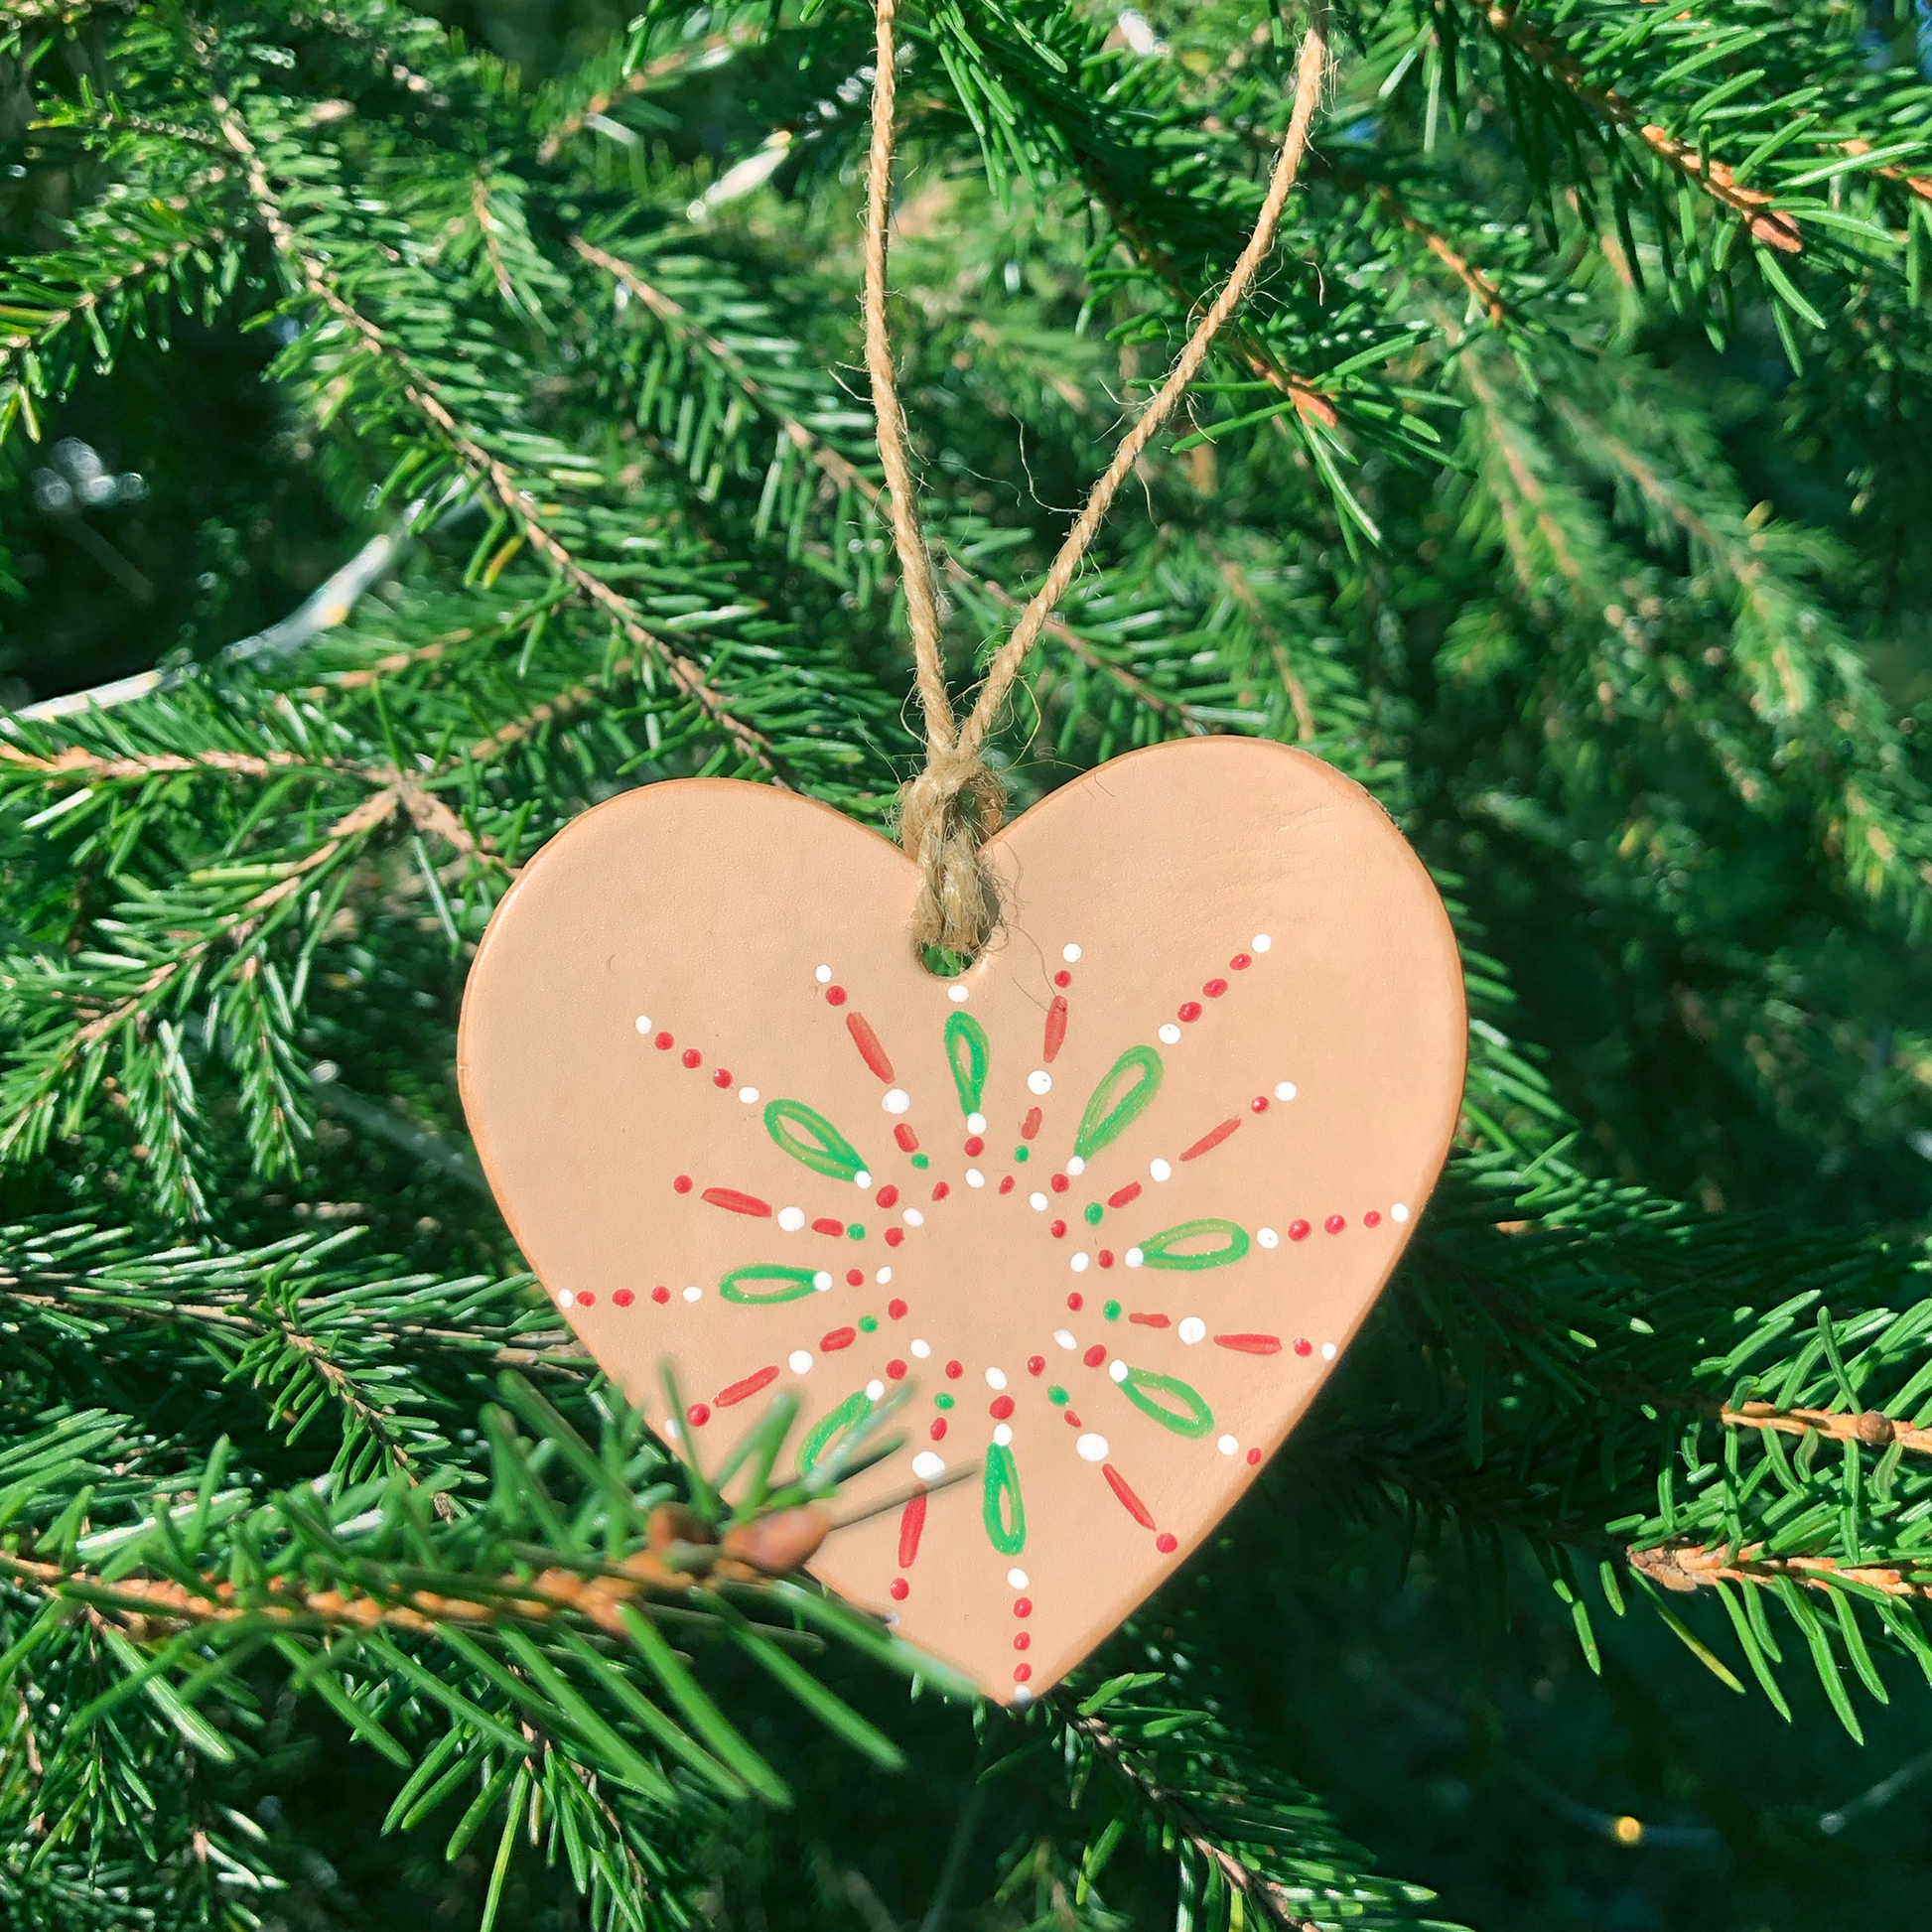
<point x="955" y="804"/>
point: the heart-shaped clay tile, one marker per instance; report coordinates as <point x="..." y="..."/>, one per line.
<point x="1113" y="1200"/>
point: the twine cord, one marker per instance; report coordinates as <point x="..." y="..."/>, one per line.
<point x="956" y="803"/>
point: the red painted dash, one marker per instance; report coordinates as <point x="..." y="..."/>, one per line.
<point x="1128" y="1500"/>
<point x="1211" y="1138"/>
<point x="750" y="1385"/>
<point x="909" y="1142"/>
<point x="912" y="1526"/>
<point x="826" y="1225"/>
<point x="1151" y="1320"/>
<point x="1056" y="1028"/>
<point x="838" y="1338"/>
<point x="1250" y="1344"/>
<point x="1031" y="1125"/>
<point x="867" y="1041"/>
<point x="1122" y="1195"/>
<point x="730" y="1197"/>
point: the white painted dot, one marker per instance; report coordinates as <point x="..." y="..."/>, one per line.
<point x="1327" y="1351"/>
<point x="1134" y="1257"/>
<point x="749" y="1096"/>
<point x="862" y="1178"/>
<point x="1017" y="1579"/>
<point x="884" y="1276"/>
<point x="1170" y="1034"/>
<point x="1039" y="1082"/>
<point x="800" y="1361"/>
<point x="565" y="1299"/>
<point x="873" y="1390"/>
<point x="643" y="1022"/>
<point x="1093" y="1449"/>
<point x="1160" y="1170"/>
<point x="1193" y="1329"/>
<point x="958" y="994"/>
<point x="1262" y="942"/>
<point x="976" y="1122"/>
<point x="694" y="1293"/>
<point x="1075" y="1165"/>
<point x="1020" y="1696"/>
<point x="1003" y="1434"/>
<point x="996" y="1378"/>
<point x="1117" y="1369"/>
<point x="1398" y="1213"/>
<point x="1064" y="1336"/>
<point x="1079" y="1264"/>
<point x="922" y="1349"/>
<point x="1268" y="1237"/>
<point x="672" y="1429"/>
<point x="913" y="1218"/>
<point x="927" y="1466"/>
<point x="896" y="1100"/>
<point x="974" y="1179"/>
<point x="1070" y="953"/>
<point x="823" y="976"/>
<point x="1227" y="1445"/>
<point x="1286" y="1091"/>
<point x="823" y="1280"/>
<point x="1037" y="1201"/>
<point x="792" y="1219"/>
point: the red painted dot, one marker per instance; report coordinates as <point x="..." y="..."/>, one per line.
<point x="938" y="1429"/>
<point x="1022" y="1671"/>
<point x="661" y="1295"/>
<point x="1073" y="1421"/>
<point x="999" y="1407"/>
<point x="1056" y="1229"/>
<point x="1254" y="1457"/>
<point x="893" y="1236"/>
<point x="1076" y="1301"/>
<point x="1372" y="1219"/>
<point x="1022" y="1640"/>
<point x="1023" y="1606"/>
<point x="1191" y="1009"/>
<point x="954" y="1371"/>
<point x="1216" y="988"/>
<point x="974" y="1144"/>
<point x="1335" y="1224"/>
<point x="1062" y="978"/>
<point x="692" y="1058"/>
<point x="1167" y="1542"/>
<point x="899" y="1590"/>
<point x="1298" y="1230"/>
<point x="1061" y="1183"/>
<point x="1006" y="1187"/>
<point x="940" y="1190"/>
<point x="896" y="1309"/>
<point x="664" y="1042"/>
<point x="835" y="995"/>
<point x="623" y="1298"/>
<point x="682" y="1184"/>
<point x="586" y="1299"/>
<point x="698" y="1414"/>
<point x="1105" y="1257"/>
<point x="855" y="1278"/>
<point x="1035" y="1364"/>
<point x="888" y="1195"/>
<point x="1302" y="1345"/>
<point x="897" y="1370"/>
<point x="1240" y="962"/>
<point x="722" y="1078"/>
<point x="1094" y="1356"/>
<point x="1259" y="1104"/>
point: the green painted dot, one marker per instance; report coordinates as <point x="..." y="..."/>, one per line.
<point x="1112" y="1310"/>
<point x="1056" y="1396"/>
<point x="1093" y="1211"/>
<point x="921" y="1161"/>
<point x="1022" y="1154"/>
<point x="857" y="1231"/>
<point x="942" y="1400"/>
<point x="869" y="1323"/>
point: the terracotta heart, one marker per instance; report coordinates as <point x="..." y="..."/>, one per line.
<point x="1115" y="1198"/>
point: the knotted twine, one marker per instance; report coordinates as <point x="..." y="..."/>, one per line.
<point x="950" y="809"/>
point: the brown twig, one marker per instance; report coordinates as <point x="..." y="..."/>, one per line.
<point x="1688" y="1567"/>
<point x="698" y="55"/>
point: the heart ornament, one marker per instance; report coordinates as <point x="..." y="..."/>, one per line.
<point x="1113" y="1200"/>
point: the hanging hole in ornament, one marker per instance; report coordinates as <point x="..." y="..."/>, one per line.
<point x="942" y="963"/>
